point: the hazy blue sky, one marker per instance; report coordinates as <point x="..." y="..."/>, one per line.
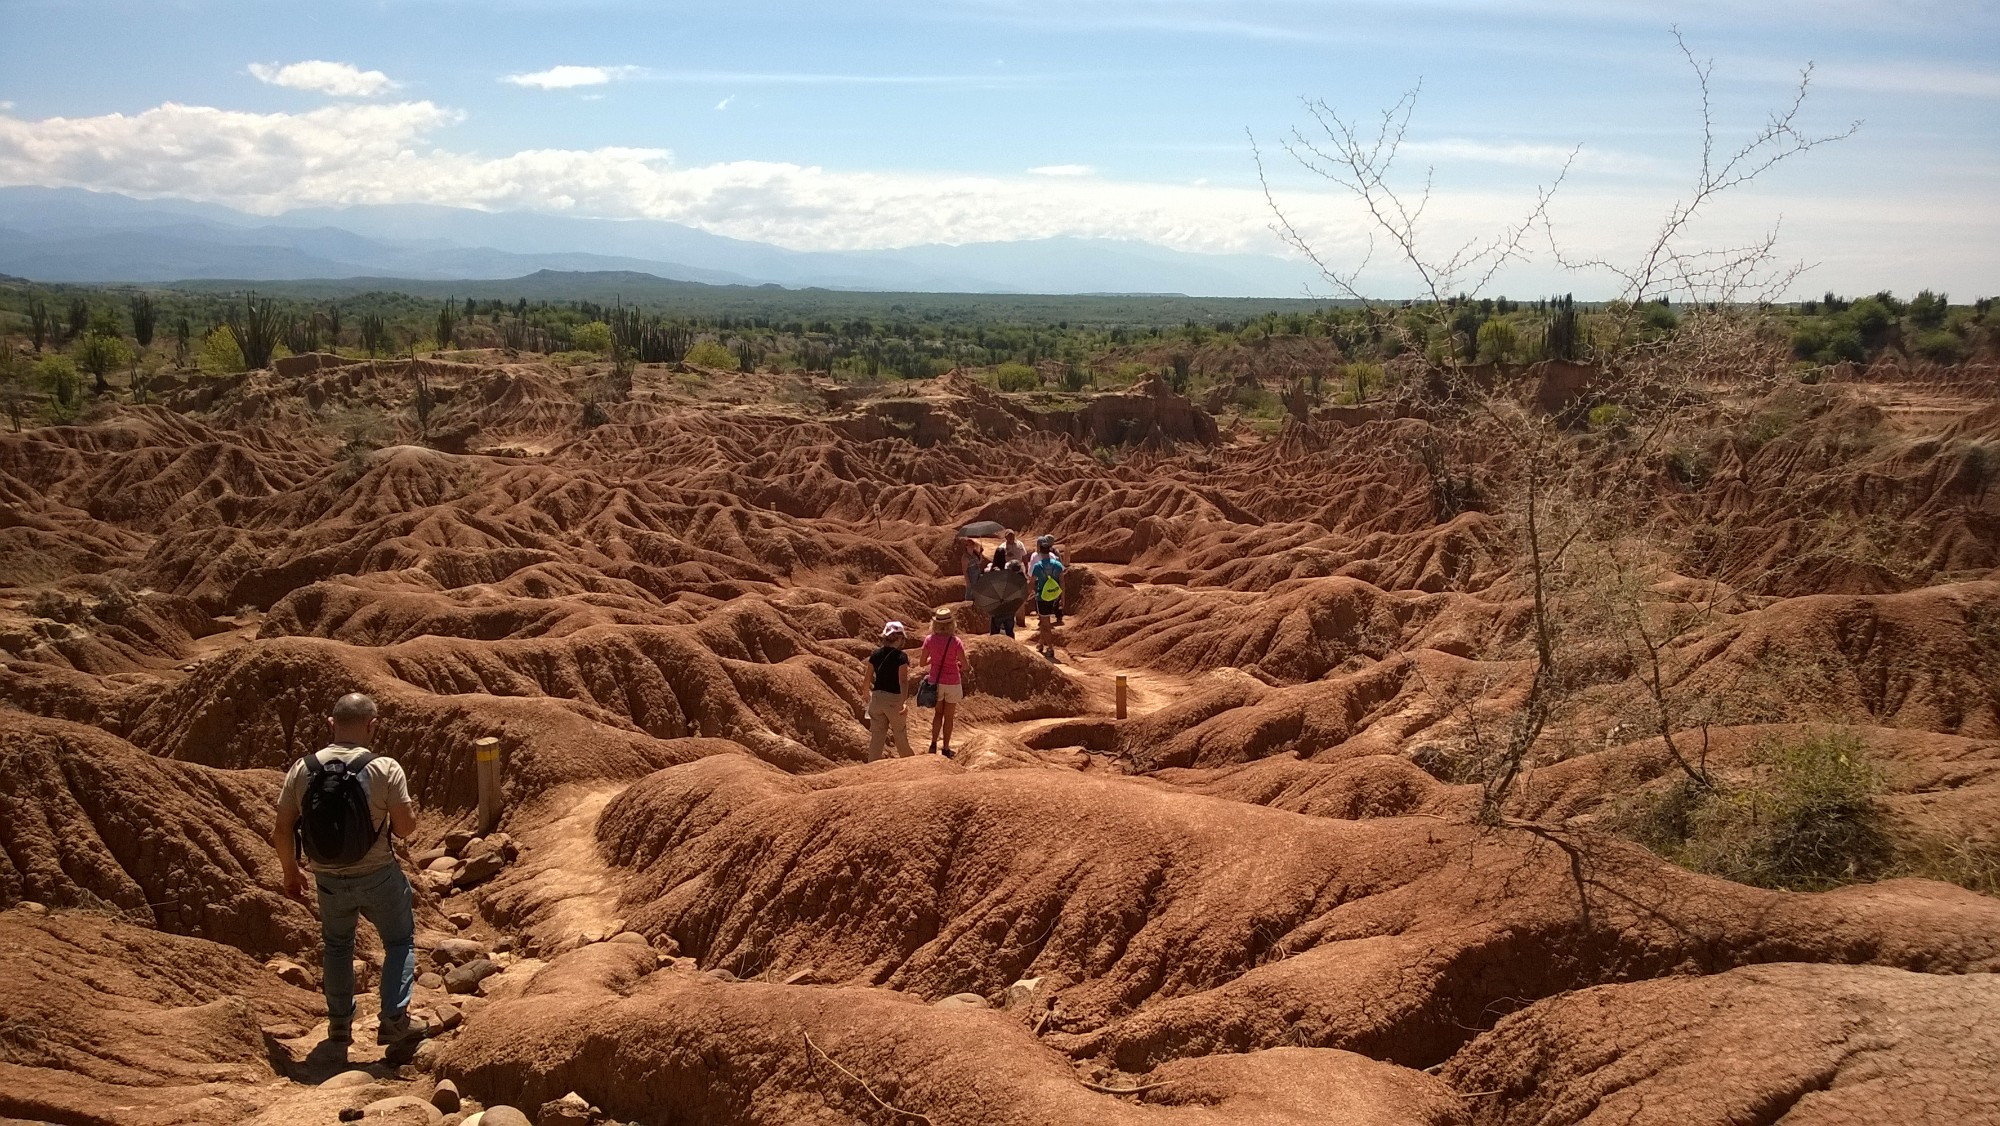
<point x="823" y="125"/>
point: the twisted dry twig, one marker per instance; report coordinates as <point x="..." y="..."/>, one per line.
<point x="890" y="1107"/>
<point x="1103" y="1090"/>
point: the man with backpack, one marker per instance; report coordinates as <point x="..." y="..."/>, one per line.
<point x="339" y="809"/>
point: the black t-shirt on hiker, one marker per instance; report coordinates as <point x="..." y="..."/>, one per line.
<point x="887" y="660"/>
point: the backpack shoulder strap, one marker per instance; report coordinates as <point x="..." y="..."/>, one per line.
<point x="358" y="769"/>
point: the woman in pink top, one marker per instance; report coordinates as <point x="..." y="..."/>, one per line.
<point x="944" y="666"/>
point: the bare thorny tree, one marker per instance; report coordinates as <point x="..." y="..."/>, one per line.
<point x="1554" y="502"/>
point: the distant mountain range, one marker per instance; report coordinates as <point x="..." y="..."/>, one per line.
<point x="73" y="235"/>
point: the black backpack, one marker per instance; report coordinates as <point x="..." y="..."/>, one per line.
<point x="336" y="826"/>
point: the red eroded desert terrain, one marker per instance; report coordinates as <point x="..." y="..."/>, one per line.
<point x="1268" y="895"/>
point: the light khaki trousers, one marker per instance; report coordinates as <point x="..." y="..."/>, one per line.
<point x="885" y="714"/>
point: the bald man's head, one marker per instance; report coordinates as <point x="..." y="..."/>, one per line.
<point x="352" y="718"/>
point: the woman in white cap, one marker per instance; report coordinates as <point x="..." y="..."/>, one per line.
<point x="888" y="703"/>
<point x="944" y="673"/>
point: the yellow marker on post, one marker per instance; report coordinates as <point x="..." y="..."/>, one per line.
<point x="486" y="755"/>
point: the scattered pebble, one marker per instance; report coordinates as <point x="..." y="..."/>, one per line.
<point x="570" y="1110"/>
<point x="407" y="1107"/>
<point x="466" y="978"/>
<point x="290" y="972"/>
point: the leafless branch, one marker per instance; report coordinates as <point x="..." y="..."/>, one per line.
<point x="1360" y="160"/>
<point x="1719" y="274"/>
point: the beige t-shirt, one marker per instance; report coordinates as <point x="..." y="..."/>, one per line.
<point x="386" y="786"/>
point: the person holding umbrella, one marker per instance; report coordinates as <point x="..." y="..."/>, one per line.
<point x="971" y="556"/>
<point x="1000" y="591"/>
<point x="975" y="562"/>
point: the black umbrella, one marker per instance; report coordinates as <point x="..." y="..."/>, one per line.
<point x="982" y="528"/>
<point x="999" y="592"/>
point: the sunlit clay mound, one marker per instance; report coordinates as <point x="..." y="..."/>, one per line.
<point x="1333" y="793"/>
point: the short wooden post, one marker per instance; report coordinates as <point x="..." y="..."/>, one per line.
<point x="486" y="754"/>
<point x="1121" y="695"/>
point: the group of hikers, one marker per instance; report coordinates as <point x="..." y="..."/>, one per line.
<point x="1016" y="574"/>
<point x="341" y="806"/>
<point x="997" y="585"/>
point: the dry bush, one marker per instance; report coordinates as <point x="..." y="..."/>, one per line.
<point x="1809" y="817"/>
<point x="56" y="606"/>
<point x="1971" y="864"/>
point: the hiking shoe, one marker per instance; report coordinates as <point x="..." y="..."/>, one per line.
<point x="947" y="752"/>
<point x="400" y="1032"/>
<point x="340" y="1030"/>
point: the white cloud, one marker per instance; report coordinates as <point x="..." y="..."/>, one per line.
<point x="1911" y="78"/>
<point x="1061" y="170"/>
<point x="724" y="103"/>
<point x="570" y="77"/>
<point x="372" y="153"/>
<point x="351" y="153"/>
<point x="342" y="80"/>
<point x="1456" y="149"/>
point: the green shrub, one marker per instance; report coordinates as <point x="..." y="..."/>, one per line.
<point x="1357" y="380"/>
<point x="1016" y="377"/>
<point x="1609" y="416"/>
<point x="65" y="390"/>
<point x="99" y="352"/>
<point x="1928" y="309"/>
<point x="1871" y="317"/>
<point x="219" y="353"/>
<point x="592" y="337"/>
<point x="1498" y="342"/>
<point x="709" y="354"/>
<point x="1809" y="819"/>
<point x="1258" y="401"/>
<point x="1941" y="347"/>
<point x="1843" y="344"/>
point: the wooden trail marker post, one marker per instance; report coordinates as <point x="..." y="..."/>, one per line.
<point x="486" y="755"/>
<point x="1121" y="695"/>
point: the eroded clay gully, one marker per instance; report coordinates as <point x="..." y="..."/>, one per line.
<point x="1263" y="897"/>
